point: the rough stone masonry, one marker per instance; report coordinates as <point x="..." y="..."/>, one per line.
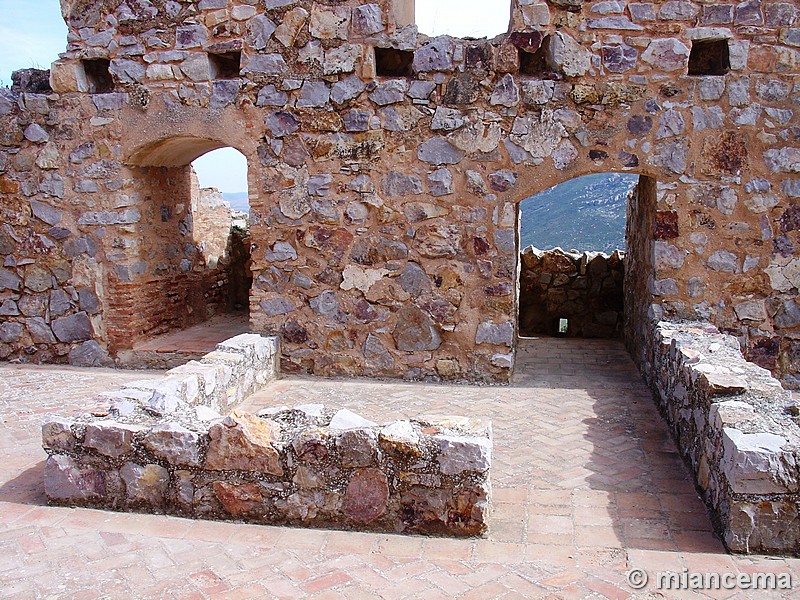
<point x="385" y="168"/>
<point x="164" y="446"/>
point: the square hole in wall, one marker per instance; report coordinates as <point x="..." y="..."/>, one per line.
<point x="225" y="65"/>
<point x="538" y="63"/>
<point x="393" y="63"/>
<point x="98" y="75"/>
<point x="710" y="57"/>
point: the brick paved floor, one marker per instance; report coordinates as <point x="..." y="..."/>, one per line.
<point x="587" y="485"/>
<point x="199" y="339"/>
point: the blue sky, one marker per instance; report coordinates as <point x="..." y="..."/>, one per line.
<point x="34" y="37"/>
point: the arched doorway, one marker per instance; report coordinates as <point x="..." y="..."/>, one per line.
<point x="585" y="265"/>
<point x="184" y="262"/>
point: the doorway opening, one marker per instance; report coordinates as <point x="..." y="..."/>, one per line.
<point x="184" y="285"/>
<point x="573" y="255"/>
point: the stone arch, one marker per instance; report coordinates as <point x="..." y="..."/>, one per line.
<point x="173" y="265"/>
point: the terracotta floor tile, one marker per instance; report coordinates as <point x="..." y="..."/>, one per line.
<point x="587" y="484"/>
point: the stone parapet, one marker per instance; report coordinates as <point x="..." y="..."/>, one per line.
<point x="164" y="446"/>
<point x="735" y="427"/>
<point x="584" y="288"/>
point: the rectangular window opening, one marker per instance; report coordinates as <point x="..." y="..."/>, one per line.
<point x="390" y="62"/>
<point x="226" y="65"/>
<point x="537" y="63"/>
<point x="710" y="57"/>
<point x="563" y="326"/>
<point x="98" y="75"/>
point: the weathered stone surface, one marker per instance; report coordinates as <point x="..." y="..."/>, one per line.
<point x="238" y="500"/>
<point x="377" y="355"/>
<point x="755" y="463"/>
<point x="459" y="454"/>
<point x="89" y="354"/>
<point x="390" y="92"/>
<point x="437" y="55"/>
<point x="259" y="31"/>
<point x="415" y="330"/>
<point x="10" y="332"/>
<point x="440" y="182"/>
<point x="367" y="19"/>
<point x="57" y="434"/>
<point x="438" y="151"/>
<point x="110" y="438"/>
<point x="538" y="135"/>
<point x="281" y="123"/>
<point x="357" y="448"/>
<point x="400" y="437"/>
<point x="724" y="261"/>
<point x="667" y="54"/>
<point x="67" y="481"/>
<point x="506" y="92"/>
<point x="347" y="419"/>
<point x="414" y="280"/>
<point x="501" y="334"/>
<point x="74" y="328"/>
<point x="145" y="485"/>
<point x="366" y="496"/>
<point x="570" y="57"/>
<point x="448" y="119"/>
<point x="175" y="444"/>
<point x="243" y="442"/>
<point x="619" y="58"/>
<point x="398" y="184"/>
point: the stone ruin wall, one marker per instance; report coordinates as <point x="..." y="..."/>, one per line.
<point x="384" y="207"/>
<point x="162" y="446"/>
<point x="738" y="431"/>
<point x="586" y="289"/>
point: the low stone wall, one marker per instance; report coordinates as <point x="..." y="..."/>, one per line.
<point x="164" y="447"/>
<point x="586" y="289"/>
<point x="738" y="429"/>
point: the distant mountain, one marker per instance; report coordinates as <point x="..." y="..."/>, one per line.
<point x="238" y="200"/>
<point x="586" y="213"/>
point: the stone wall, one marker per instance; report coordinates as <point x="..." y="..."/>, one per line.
<point x="165" y="448"/>
<point x="738" y="431"/>
<point x="584" y="288"/>
<point x="385" y="168"/>
<point x="640" y="268"/>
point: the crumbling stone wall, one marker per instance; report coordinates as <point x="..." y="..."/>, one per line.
<point x="584" y="288"/>
<point x="386" y="168"/>
<point x="738" y="430"/>
<point x="164" y="447"/>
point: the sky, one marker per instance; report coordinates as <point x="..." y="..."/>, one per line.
<point x="34" y="37"/>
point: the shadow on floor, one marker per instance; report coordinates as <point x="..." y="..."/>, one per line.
<point x="26" y="488"/>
